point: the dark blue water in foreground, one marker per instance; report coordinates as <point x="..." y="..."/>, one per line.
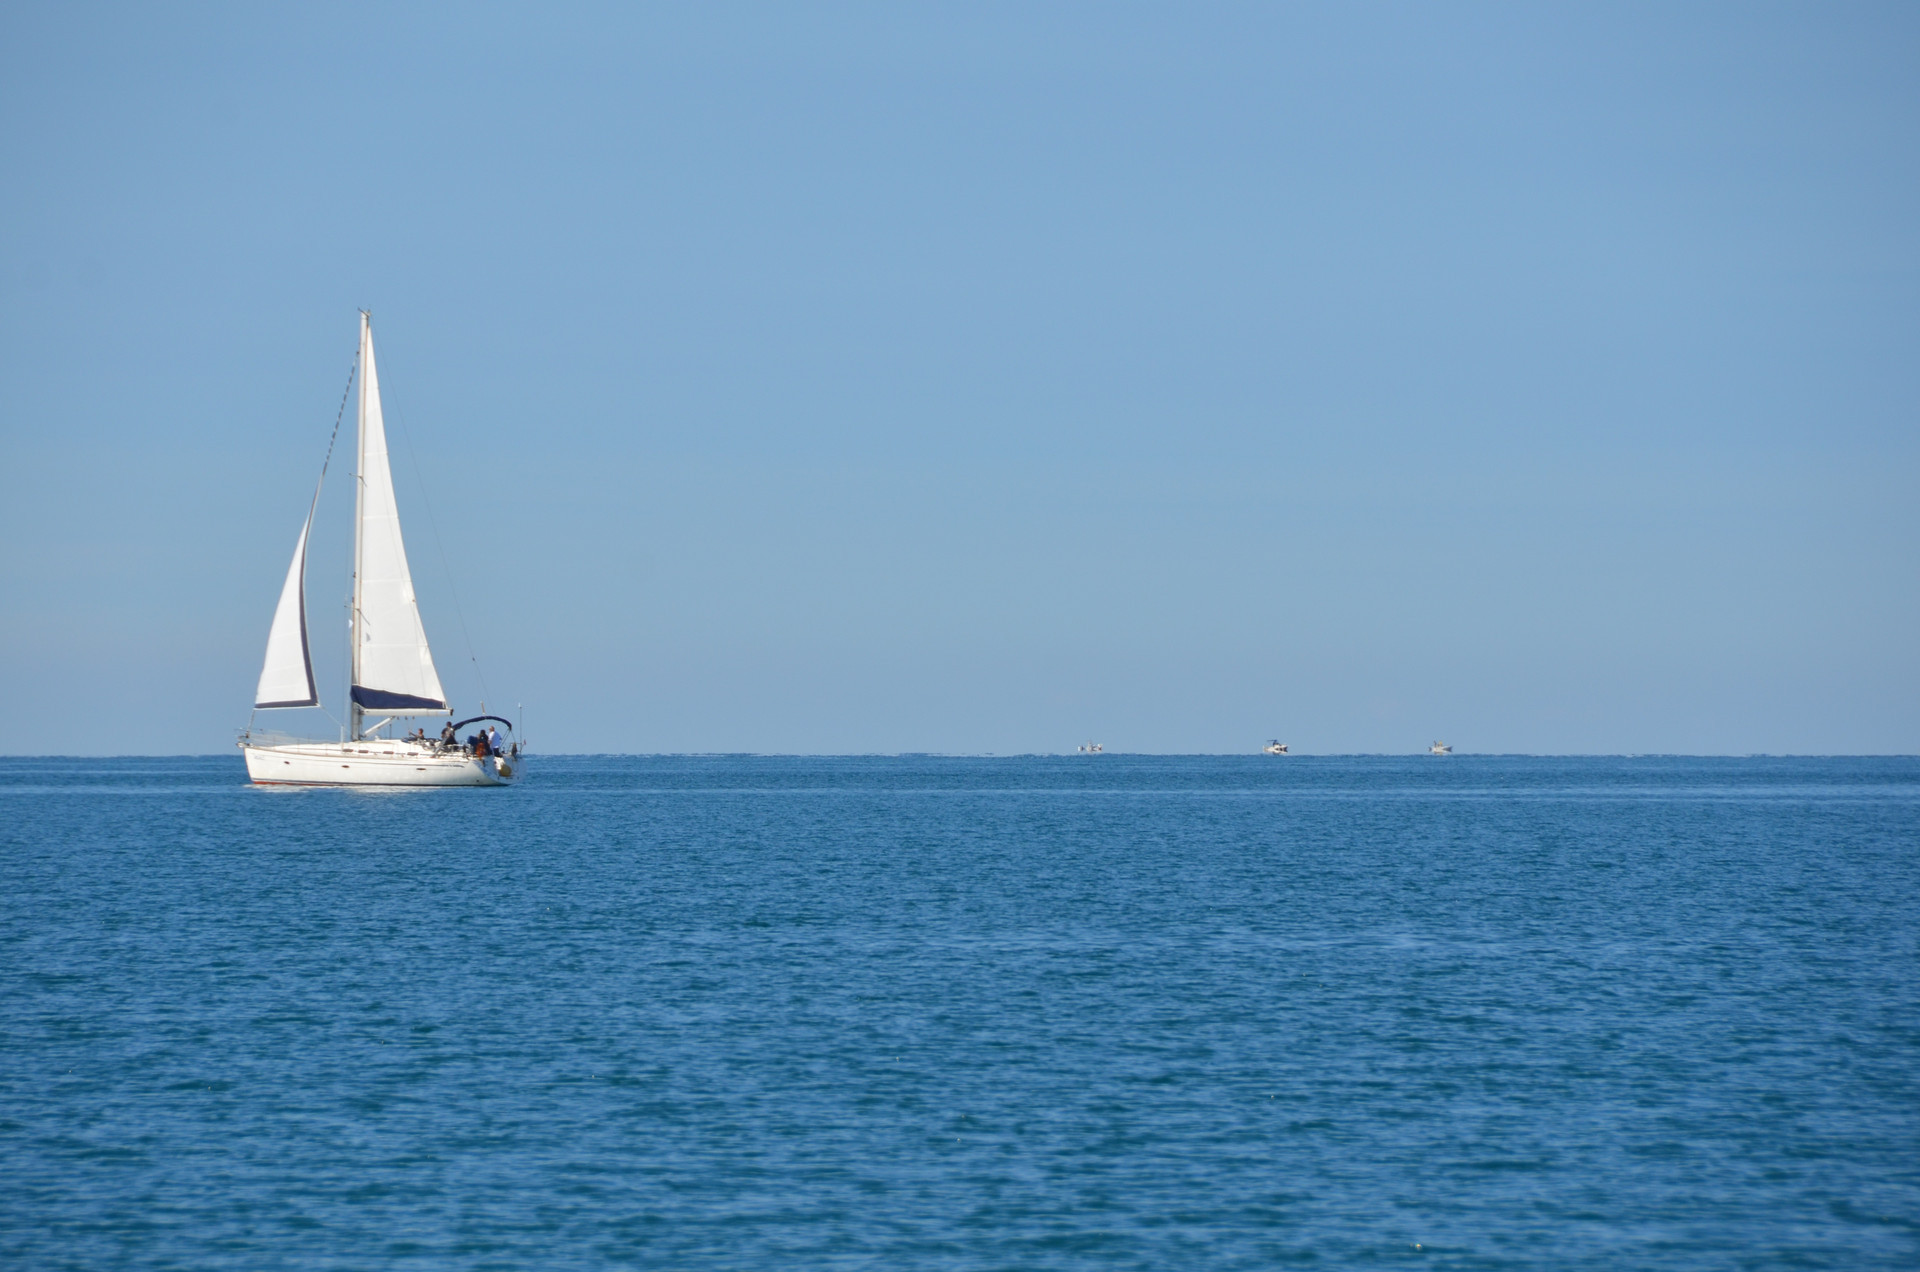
<point x="1102" y="1012"/>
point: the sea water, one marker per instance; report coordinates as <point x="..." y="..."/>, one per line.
<point x="1087" y="1012"/>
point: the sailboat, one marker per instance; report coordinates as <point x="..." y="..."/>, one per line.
<point x="390" y="666"/>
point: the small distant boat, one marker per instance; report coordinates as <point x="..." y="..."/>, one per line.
<point x="1091" y="748"/>
<point x="390" y="667"/>
<point x="1439" y="748"/>
<point x="1275" y="747"/>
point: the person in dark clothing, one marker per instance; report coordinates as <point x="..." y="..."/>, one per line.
<point x="447" y="736"/>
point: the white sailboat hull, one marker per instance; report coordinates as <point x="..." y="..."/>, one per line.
<point x="373" y="762"/>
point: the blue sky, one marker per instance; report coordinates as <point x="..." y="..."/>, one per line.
<point x="981" y="378"/>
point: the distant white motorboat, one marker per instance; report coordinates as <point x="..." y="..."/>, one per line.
<point x="390" y="667"/>
<point x="1439" y="748"/>
<point x="1275" y="747"/>
<point x="1091" y="748"/>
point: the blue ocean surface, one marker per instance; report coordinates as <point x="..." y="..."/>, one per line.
<point x="902" y="1013"/>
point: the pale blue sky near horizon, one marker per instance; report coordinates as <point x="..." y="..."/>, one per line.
<point x="863" y="378"/>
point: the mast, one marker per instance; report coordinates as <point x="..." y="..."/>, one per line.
<point x="390" y="667"/>
<point x="354" y="714"/>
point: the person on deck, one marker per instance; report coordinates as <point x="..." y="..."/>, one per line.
<point x="447" y="736"/>
<point x="493" y="740"/>
<point x="479" y="746"/>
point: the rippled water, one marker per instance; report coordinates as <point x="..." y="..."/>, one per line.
<point x="1099" y="1012"/>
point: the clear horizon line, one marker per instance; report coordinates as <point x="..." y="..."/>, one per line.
<point x="1036" y="755"/>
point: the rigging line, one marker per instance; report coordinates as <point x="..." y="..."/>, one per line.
<point x="439" y="544"/>
<point x="341" y="414"/>
<point x="353" y="370"/>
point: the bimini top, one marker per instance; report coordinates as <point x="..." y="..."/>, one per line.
<point x="461" y="724"/>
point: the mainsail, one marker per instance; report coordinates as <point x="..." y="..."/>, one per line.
<point x="392" y="666"/>
<point x="286" y="680"/>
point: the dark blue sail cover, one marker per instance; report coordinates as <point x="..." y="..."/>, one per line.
<point x="380" y="700"/>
